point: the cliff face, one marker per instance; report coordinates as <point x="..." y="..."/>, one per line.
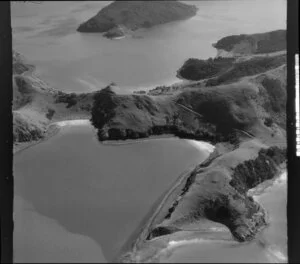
<point x="133" y="15"/>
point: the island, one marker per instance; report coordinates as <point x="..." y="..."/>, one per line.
<point x="121" y="17"/>
<point x="242" y="114"/>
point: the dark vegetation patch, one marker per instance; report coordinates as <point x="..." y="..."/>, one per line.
<point x="272" y="97"/>
<point x="262" y="43"/>
<point x="161" y="231"/>
<point x="24" y="131"/>
<point x="274" y="41"/>
<point x="23" y="86"/>
<point x="50" y="113"/>
<point x="195" y="69"/>
<point x="276" y="95"/>
<point x="131" y="117"/>
<point x="87" y="107"/>
<point x="96" y="25"/>
<point x="137" y="14"/>
<point x="226" y="108"/>
<point x="69" y="99"/>
<point x="190" y="180"/>
<point x="228" y="43"/>
<point x="103" y="107"/>
<point x="268" y="121"/>
<point x="252" y="172"/>
<point x="22" y="92"/>
<point x="247" y="68"/>
<point x="19" y="66"/>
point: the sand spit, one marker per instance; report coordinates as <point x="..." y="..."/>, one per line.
<point x="76" y="122"/>
<point x="201" y="145"/>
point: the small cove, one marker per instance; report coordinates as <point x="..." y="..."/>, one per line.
<point x="97" y="193"/>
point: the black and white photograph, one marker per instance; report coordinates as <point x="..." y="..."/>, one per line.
<point x="149" y="131"/>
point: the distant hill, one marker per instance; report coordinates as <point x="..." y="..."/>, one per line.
<point x="268" y="42"/>
<point x="132" y="15"/>
<point x="224" y="70"/>
<point x="238" y="56"/>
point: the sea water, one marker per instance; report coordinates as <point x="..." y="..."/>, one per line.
<point x="79" y="200"/>
<point x="71" y="61"/>
<point x="269" y="247"/>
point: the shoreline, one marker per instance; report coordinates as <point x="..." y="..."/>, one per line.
<point x="134" y="243"/>
<point x="52" y="130"/>
<point x="131" y="242"/>
<point x="260" y="189"/>
<point x="21" y="146"/>
<point x="189" y="238"/>
<point x="139" y="236"/>
<point x="136" y="141"/>
<point x="198" y="144"/>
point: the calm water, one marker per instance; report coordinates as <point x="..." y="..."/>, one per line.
<point x="79" y="200"/>
<point x="46" y="34"/>
<point x="270" y="246"/>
